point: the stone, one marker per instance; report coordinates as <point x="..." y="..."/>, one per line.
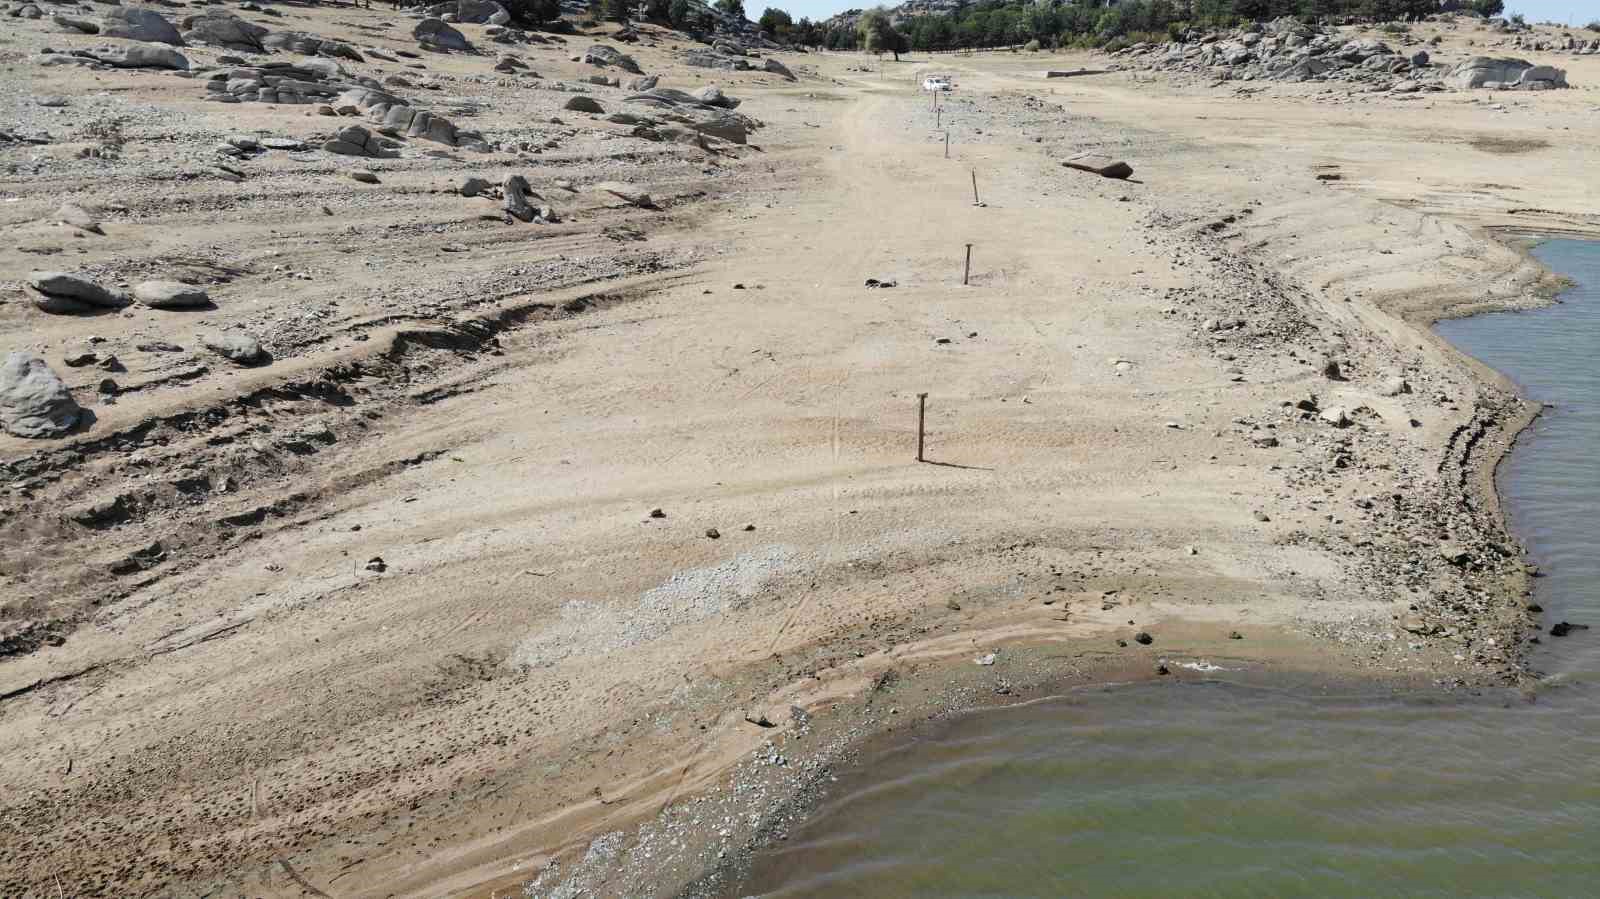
<point x="136" y="24"/>
<point x="78" y="217"/>
<point x="471" y="187"/>
<point x="1330" y="370"/>
<point x="628" y="193"/>
<point x="1143" y="639"/>
<point x="1104" y="166"/>
<point x="711" y="95"/>
<point x="171" y="295"/>
<point x="74" y="26"/>
<point x="606" y="57"/>
<point x="581" y="103"/>
<point x="713" y="533"/>
<point x="364" y="176"/>
<point x="224" y="29"/>
<point x="777" y="68"/>
<point x="515" y="190"/>
<point x="76" y="288"/>
<point x="239" y="348"/>
<point x="1454" y="553"/>
<point x="140" y="56"/>
<point x="1394" y="386"/>
<point x="643" y="83"/>
<point x="733" y="128"/>
<point x="34" y="403"/>
<point x="435" y="34"/>
<point x="1336" y="416"/>
<point x="1420" y="59"/>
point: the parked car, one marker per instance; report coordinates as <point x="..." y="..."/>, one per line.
<point x="936" y="83"/>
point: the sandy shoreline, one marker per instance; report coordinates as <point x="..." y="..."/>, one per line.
<point x="540" y="670"/>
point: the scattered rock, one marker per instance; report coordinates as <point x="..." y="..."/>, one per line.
<point x="1336" y="416"/>
<point x="628" y="193"/>
<point x="364" y="176"/>
<point x="1104" y="166"/>
<point x="240" y="348"/>
<point x="34" y="402"/>
<point x="171" y="295"/>
<point x="713" y="533"/>
<point x="1330" y="370"/>
<point x="515" y="190"/>
<point x="64" y="293"/>
<point x="581" y="103"/>
<point x="377" y="564"/>
<point x="1394" y="387"/>
<point x="1563" y="628"/>
<point x="605" y="57"/>
<point x="1143" y="639"/>
<point x="474" y="186"/>
<point x="78" y="217"/>
<point x="777" y="68"/>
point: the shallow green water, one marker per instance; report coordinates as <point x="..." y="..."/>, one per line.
<point x="1233" y="789"/>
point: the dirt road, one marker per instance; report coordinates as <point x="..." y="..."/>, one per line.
<point x="468" y="644"/>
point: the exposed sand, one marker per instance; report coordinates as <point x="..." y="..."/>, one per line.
<point x="541" y="662"/>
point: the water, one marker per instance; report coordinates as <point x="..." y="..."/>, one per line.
<point x="1245" y="789"/>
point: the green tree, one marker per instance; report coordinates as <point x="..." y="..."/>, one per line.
<point x="732" y="7"/>
<point x="533" y="12"/>
<point x="618" y="10"/>
<point x="878" y="34"/>
<point x="776" y="23"/>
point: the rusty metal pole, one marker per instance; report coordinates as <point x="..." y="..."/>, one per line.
<point x="975" y="188"/>
<point x="947" y="145"/>
<point x="922" y="409"/>
<point x="967" y="271"/>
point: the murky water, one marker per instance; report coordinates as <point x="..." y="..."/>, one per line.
<point x="1238" y="789"/>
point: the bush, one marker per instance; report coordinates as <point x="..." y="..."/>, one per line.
<point x="1593" y="26"/>
<point x="533" y="12"/>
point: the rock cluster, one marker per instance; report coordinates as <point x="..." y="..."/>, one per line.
<point x="606" y="57"/>
<point x="1282" y="50"/>
<point x="705" y="112"/>
<point x="471" y="12"/>
<point x="358" y="141"/>
<point x="310" y="45"/>
<point x="226" y="30"/>
<point x="281" y="82"/>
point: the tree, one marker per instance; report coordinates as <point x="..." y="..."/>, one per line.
<point x="618" y="10"/>
<point x="679" y="12"/>
<point x="733" y="8"/>
<point x="878" y="34"/>
<point x="776" y="23"/>
<point x="533" y="12"/>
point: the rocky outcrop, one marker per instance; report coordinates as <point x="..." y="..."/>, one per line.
<point x="355" y="140"/>
<point x="33" y="400"/>
<point x="136" y="24"/>
<point x="471" y="12"/>
<point x="224" y="29"/>
<point x="1505" y="73"/>
<point x="711" y="59"/>
<point x="310" y="45"/>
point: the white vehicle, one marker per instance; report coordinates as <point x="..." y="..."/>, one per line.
<point x="936" y="83"/>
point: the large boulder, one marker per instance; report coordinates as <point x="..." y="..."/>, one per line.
<point x="224" y="29"/>
<point x="436" y="35"/>
<point x="710" y="59"/>
<point x="777" y="68"/>
<point x="310" y="45"/>
<point x="63" y="292"/>
<point x="605" y="57"/>
<point x="1503" y="72"/>
<point x="33" y="400"/>
<point x="137" y="24"/>
<point x="475" y="12"/>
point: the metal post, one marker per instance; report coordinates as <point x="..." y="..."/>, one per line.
<point x="922" y="409"/>
<point x="975" y="190"/>
<point x="947" y="145"/>
<point x="967" y="271"/>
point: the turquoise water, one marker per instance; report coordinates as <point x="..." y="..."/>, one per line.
<point x="1234" y="789"/>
